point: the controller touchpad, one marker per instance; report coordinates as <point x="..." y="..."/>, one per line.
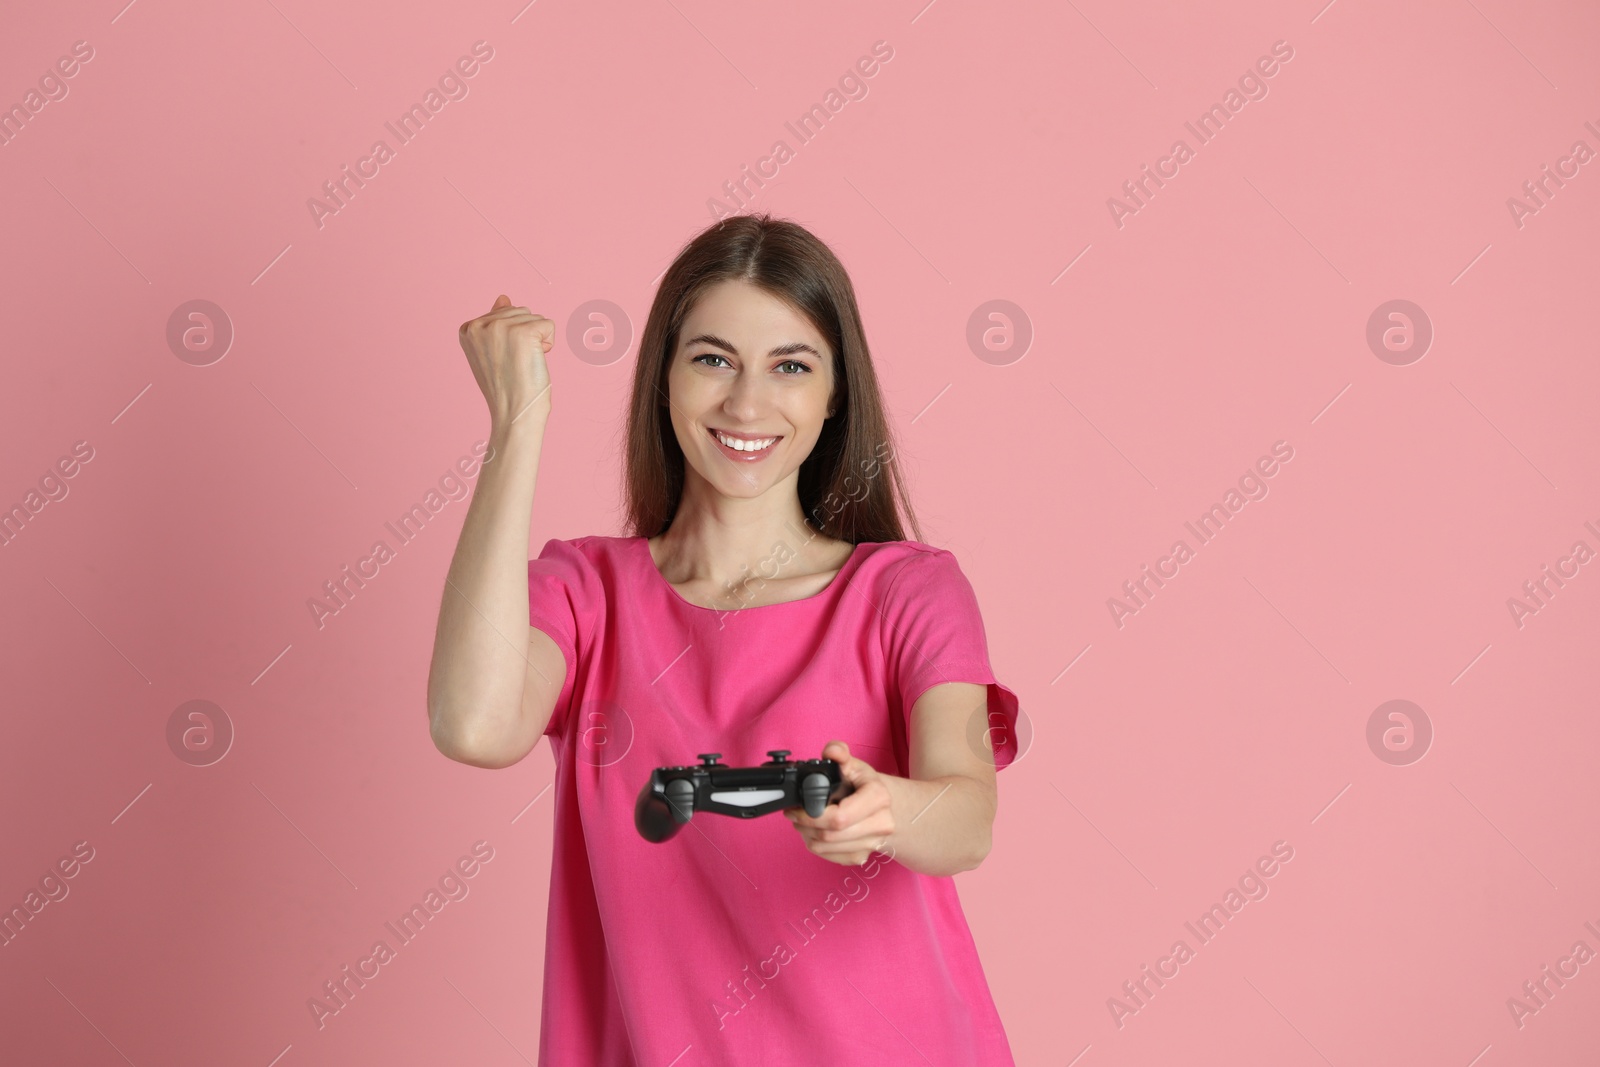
<point x="747" y="798"/>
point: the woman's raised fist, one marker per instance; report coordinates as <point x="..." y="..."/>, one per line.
<point x="506" y="349"/>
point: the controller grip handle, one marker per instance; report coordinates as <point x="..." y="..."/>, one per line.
<point x="657" y="819"/>
<point x="814" y="793"/>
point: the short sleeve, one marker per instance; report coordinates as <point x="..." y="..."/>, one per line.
<point x="562" y="587"/>
<point x="933" y="633"/>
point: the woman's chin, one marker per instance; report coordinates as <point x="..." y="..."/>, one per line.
<point x="742" y="485"/>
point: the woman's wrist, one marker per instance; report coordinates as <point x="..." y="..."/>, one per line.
<point x="527" y="426"/>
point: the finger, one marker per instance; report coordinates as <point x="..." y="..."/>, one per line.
<point x="501" y="301"/>
<point x="865" y="843"/>
<point x="547" y="335"/>
<point x="859" y="778"/>
<point x="853" y="837"/>
<point x="853" y="853"/>
<point x="800" y="820"/>
<point x="828" y="820"/>
<point x="811" y="829"/>
<point x="852" y="769"/>
<point x="844" y="859"/>
<point x="847" y="816"/>
<point x="509" y="315"/>
<point x="873" y="821"/>
<point x="854" y="808"/>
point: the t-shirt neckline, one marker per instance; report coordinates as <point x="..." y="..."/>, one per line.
<point x="643" y="544"/>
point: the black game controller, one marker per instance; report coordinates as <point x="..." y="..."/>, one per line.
<point x="673" y="794"/>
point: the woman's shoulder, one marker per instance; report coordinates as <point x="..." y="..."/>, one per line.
<point x="918" y="591"/>
<point x="897" y="564"/>
<point x="594" y="559"/>
<point x="592" y="547"/>
<point x="898" y="551"/>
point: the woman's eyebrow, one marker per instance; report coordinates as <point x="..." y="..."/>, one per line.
<point x="782" y="350"/>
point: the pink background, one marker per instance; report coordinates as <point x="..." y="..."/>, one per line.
<point x="1167" y="754"/>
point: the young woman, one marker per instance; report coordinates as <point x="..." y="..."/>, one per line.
<point x="766" y="598"/>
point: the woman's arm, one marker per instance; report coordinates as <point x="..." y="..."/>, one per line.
<point x="937" y="821"/>
<point x="486" y="707"/>
<point x="481" y="680"/>
<point x="945" y="811"/>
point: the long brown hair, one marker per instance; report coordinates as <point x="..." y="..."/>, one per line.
<point x="850" y="483"/>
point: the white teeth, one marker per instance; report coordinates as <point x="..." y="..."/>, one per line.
<point x="744" y="446"/>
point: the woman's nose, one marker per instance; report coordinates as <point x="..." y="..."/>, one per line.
<point x="745" y="397"/>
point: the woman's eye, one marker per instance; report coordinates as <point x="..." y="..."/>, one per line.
<point x="800" y="368"/>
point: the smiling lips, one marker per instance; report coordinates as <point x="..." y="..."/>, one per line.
<point x="743" y="449"/>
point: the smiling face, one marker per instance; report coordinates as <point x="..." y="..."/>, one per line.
<point x="752" y="367"/>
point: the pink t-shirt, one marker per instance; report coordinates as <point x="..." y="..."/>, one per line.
<point x="730" y="943"/>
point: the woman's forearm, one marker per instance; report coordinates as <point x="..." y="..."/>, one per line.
<point x="479" y="665"/>
<point x="942" y="826"/>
